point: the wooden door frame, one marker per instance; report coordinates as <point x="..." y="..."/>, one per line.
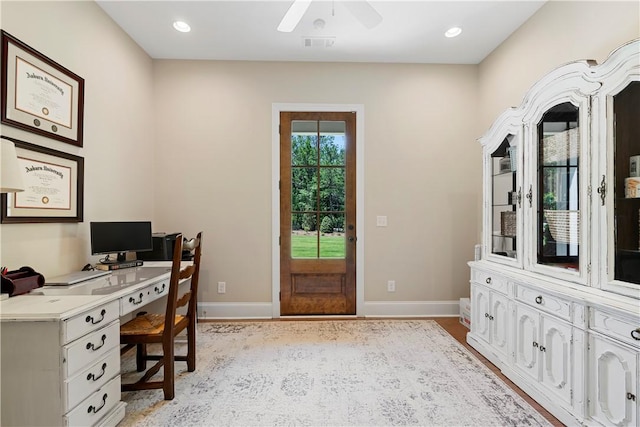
<point x="276" y="108"/>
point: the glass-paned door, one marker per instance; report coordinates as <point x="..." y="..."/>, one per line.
<point x="504" y="199"/>
<point x="317" y="213"/>
<point x="626" y="110"/>
<point x="558" y="175"/>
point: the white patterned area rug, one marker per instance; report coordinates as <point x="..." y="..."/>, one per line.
<point x="330" y="373"/>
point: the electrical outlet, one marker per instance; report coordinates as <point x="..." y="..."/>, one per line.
<point x="391" y="286"/>
<point x="222" y="287"/>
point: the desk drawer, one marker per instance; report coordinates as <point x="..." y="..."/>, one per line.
<point x="86" y="382"/>
<point x="96" y="406"/>
<point x="90" y="320"/>
<point x="622" y="329"/>
<point x="544" y="301"/>
<point x="88" y="349"/>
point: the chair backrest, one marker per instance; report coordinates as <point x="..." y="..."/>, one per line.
<point x="175" y="298"/>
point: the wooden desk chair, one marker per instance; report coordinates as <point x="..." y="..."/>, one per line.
<point x="163" y="328"/>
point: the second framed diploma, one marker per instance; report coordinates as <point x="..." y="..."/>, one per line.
<point x="53" y="183"/>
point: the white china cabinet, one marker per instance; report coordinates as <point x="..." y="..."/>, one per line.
<point x="555" y="297"/>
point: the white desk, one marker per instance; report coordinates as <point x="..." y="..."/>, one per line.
<point x="60" y="360"/>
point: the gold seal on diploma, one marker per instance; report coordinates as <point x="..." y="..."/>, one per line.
<point x="45" y="200"/>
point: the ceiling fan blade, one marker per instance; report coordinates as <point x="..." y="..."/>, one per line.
<point x="364" y="12"/>
<point x="293" y="15"/>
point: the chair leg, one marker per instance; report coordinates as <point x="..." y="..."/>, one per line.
<point x="169" y="370"/>
<point x="141" y="357"/>
<point x="191" y="345"/>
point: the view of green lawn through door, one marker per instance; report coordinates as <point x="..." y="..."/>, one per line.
<point x="318" y="164"/>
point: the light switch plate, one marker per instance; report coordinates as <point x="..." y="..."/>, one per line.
<point x="381" y="221"/>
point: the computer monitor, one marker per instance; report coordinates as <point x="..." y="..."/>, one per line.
<point x="120" y="237"/>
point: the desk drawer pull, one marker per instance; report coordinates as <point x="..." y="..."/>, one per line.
<point x="134" y="302"/>
<point x="158" y="290"/>
<point x="91" y="346"/>
<point x="92" y="377"/>
<point x="539" y="299"/>
<point x="488" y="280"/>
<point x="635" y="334"/>
<point x="91" y="320"/>
<point x="96" y="410"/>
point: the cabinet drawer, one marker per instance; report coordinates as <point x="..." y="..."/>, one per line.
<point x="615" y="327"/>
<point x="86" y="382"/>
<point x="89" y="321"/>
<point x="545" y="302"/>
<point x="96" y="406"/>
<point x="88" y="349"/>
<point x="494" y="281"/>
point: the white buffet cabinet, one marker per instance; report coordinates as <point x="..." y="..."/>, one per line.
<point x="555" y="297"/>
<point x="61" y="349"/>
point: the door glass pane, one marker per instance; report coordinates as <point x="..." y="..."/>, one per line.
<point x="304" y="236"/>
<point x="304" y="143"/>
<point x="558" y="205"/>
<point x="332" y="143"/>
<point x="332" y="189"/>
<point x="318" y="191"/>
<point x="504" y="199"/>
<point x="304" y="189"/>
<point x="626" y="109"/>
<point x="332" y="238"/>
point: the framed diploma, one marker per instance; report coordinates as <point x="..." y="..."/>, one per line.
<point x="54" y="185"/>
<point x="39" y="95"/>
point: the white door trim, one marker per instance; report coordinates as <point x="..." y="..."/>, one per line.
<point x="276" y="108"/>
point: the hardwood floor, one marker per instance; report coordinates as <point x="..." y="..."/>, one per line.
<point x="459" y="332"/>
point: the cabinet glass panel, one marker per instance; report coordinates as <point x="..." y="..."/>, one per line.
<point x="558" y="212"/>
<point x="626" y="109"/>
<point x="504" y="198"/>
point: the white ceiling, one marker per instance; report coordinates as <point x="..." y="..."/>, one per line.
<point x="410" y="32"/>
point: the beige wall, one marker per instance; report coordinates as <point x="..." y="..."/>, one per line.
<point x="197" y="134"/>
<point x="420" y="154"/>
<point x="560" y="32"/>
<point x="118" y="128"/>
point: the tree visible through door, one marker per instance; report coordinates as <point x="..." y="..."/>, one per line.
<point x="317" y="213"/>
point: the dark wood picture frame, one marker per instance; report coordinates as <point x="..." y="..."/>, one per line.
<point x="76" y="199"/>
<point x="38" y="94"/>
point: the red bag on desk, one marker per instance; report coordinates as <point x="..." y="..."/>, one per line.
<point x="21" y="281"/>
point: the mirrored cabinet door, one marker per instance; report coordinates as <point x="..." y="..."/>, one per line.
<point x="505" y="196"/>
<point x="626" y="197"/>
<point x="558" y="177"/>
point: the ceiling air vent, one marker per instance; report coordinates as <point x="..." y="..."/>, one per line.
<point x="319" y="42"/>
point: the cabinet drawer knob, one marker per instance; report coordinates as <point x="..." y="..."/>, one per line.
<point x="159" y="290"/>
<point x="631" y="397"/>
<point x="535" y="344"/>
<point x="91" y="346"/>
<point x="486" y="315"/>
<point x="488" y="280"/>
<point x="539" y="299"/>
<point x="91" y="320"/>
<point x="635" y="334"/>
<point x="490" y="317"/>
<point x="542" y="348"/>
<point x="96" y="410"/>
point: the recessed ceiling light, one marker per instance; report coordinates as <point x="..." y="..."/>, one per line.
<point x="453" y="32"/>
<point x="181" y="26"/>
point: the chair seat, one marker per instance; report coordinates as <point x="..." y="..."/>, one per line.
<point x="148" y="324"/>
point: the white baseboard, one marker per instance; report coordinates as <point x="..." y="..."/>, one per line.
<point x="264" y="310"/>
<point x="411" y="309"/>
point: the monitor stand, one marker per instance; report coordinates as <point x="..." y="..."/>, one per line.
<point x="122" y="257"/>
